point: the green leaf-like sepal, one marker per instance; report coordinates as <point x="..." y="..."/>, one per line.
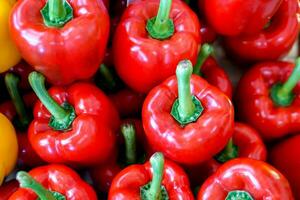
<point x="160" y="35"/>
<point x="63" y="124"/>
<point x="239" y="195"/>
<point x="144" y="192"/>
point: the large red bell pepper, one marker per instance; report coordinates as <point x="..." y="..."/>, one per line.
<point x="245" y="143"/>
<point x="73" y="125"/>
<point x="208" y="67"/>
<point x="268" y="98"/>
<point x="152" y="37"/>
<point x="271" y="42"/>
<point x="186" y="118"/>
<point x="63" y="39"/>
<point x="17" y="111"/>
<point x="284" y="156"/>
<point x="157" y="179"/>
<point x="235" y="17"/>
<point x="52" y="182"/>
<point x="247" y="179"/>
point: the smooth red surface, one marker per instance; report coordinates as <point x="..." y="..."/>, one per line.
<point x="216" y="76"/>
<point x="7" y="189"/>
<point x="73" y="52"/>
<point x="143" y="62"/>
<point x="270" y="43"/>
<point x="58" y="178"/>
<point x="249" y="143"/>
<point x="126" y="185"/>
<point x="128" y="102"/>
<point x="26" y="156"/>
<point x="285" y="157"/>
<point x="254" y="105"/>
<point x="92" y="137"/>
<point x="258" y="178"/>
<point x="195" y="142"/>
<point x="235" y="17"/>
<point x="208" y="35"/>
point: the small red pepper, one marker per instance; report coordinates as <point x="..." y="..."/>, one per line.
<point x="147" y="47"/>
<point x="235" y="17"/>
<point x="284" y="156"/>
<point x="156" y="179"/>
<point x="208" y="35"/>
<point x="17" y="111"/>
<point x="52" y="182"/>
<point x="7" y="189"/>
<point x="245" y="143"/>
<point x="247" y="179"/>
<point x="73" y="125"/>
<point x="190" y="121"/>
<point x="271" y="42"/>
<point x="208" y="67"/>
<point x="268" y="98"/>
<point x="63" y="39"/>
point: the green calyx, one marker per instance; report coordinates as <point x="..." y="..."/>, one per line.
<point x="23" y="119"/>
<point x="129" y="135"/>
<point x="187" y="108"/>
<point x="161" y="27"/>
<point x="228" y="153"/>
<point x="62" y="116"/>
<point x="282" y="94"/>
<point x="56" y="13"/>
<point x="205" y="52"/>
<point x="154" y="190"/>
<point x="26" y="181"/>
<point x="239" y="195"/>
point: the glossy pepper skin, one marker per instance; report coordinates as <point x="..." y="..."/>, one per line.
<point x="66" y="54"/>
<point x="238" y="16"/>
<point x="191" y="143"/>
<point x="272" y="42"/>
<point x="259" y="179"/>
<point x="56" y="178"/>
<point x="256" y="106"/>
<point x="249" y="145"/>
<point x="7" y="189"/>
<point x="284" y="156"/>
<point x="8" y="147"/>
<point x="9" y="54"/>
<point x="127" y="184"/>
<point x="143" y="62"/>
<point x="90" y="135"/>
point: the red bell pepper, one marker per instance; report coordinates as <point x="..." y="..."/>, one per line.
<point x="208" y="35"/>
<point x="52" y="182"/>
<point x="157" y="179"/>
<point x="147" y="47"/>
<point x="272" y="42"/>
<point x="7" y="189"/>
<point x="22" y="69"/>
<point x="191" y="125"/>
<point x="245" y="143"/>
<point x="284" y="156"/>
<point x="268" y="98"/>
<point x="235" y="17"/>
<point x="131" y="151"/>
<point x="248" y="179"/>
<point x="63" y="39"/>
<point x="73" y="125"/>
<point x="208" y="67"/>
<point x="16" y="111"/>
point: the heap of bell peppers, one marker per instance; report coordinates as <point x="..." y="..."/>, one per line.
<point x="149" y="100"/>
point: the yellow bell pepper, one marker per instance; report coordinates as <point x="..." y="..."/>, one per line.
<point x="9" y="54"/>
<point x="8" y="147"/>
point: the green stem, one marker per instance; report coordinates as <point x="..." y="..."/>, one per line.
<point x="106" y="74"/>
<point x="282" y="94"/>
<point x="239" y="195"/>
<point x="161" y="26"/>
<point x="26" y="181"/>
<point x="186" y="106"/>
<point x="205" y="52"/>
<point x="12" y="82"/>
<point x="157" y="164"/>
<point x="228" y="153"/>
<point x="62" y="117"/>
<point x="129" y="135"/>
<point x="57" y="10"/>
